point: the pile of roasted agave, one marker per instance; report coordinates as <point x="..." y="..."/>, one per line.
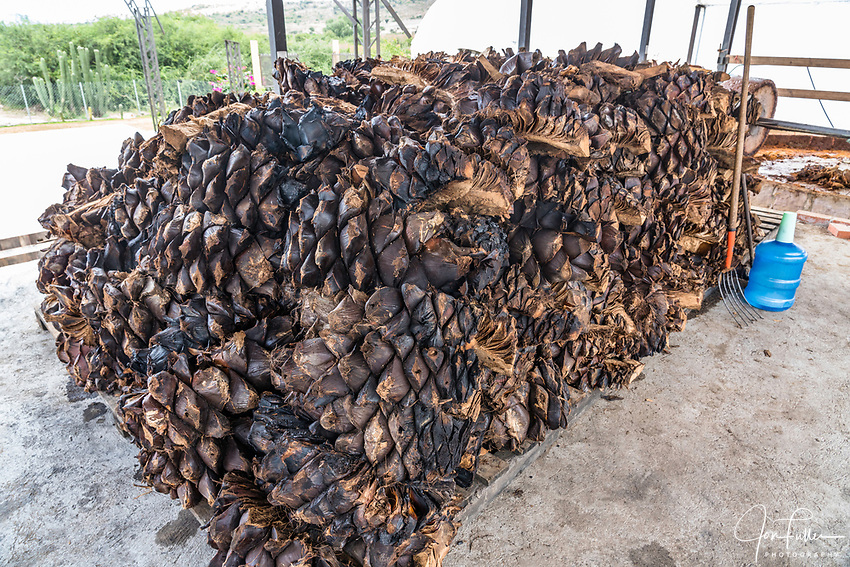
<point x="319" y="309"/>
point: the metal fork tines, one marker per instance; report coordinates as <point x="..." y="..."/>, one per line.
<point x="733" y="298"/>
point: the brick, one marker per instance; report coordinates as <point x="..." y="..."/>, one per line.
<point x="817" y="219"/>
<point x="839" y="229"/>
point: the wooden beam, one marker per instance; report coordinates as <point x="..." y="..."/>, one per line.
<point x="819" y="95"/>
<point x="794" y="62"/>
<point x="24" y="240"/>
<point x="21" y="258"/>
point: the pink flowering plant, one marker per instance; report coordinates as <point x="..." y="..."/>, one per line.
<point x="220" y="82"/>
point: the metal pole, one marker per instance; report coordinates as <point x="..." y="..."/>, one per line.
<point x="179" y="94"/>
<point x="277" y="33"/>
<point x="378" y="28"/>
<point x="85" y="105"/>
<point x="367" y="36"/>
<point x="157" y="79"/>
<point x="647" y="28"/>
<point x="136" y="90"/>
<point x="729" y="34"/>
<point x="699" y="10"/>
<point x="277" y="28"/>
<point x="525" y="8"/>
<point x="354" y="11"/>
<point x="26" y="103"/>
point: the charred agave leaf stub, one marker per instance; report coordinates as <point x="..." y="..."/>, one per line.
<point x="320" y="308"/>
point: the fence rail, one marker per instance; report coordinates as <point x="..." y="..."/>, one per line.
<point x="27" y="104"/>
<point x="807" y="62"/>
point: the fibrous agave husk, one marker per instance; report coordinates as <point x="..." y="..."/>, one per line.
<point x="320" y="308"/>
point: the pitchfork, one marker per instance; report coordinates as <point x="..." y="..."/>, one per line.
<point x="730" y="287"/>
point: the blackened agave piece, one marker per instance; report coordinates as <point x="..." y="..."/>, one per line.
<point x="320" y="308"/>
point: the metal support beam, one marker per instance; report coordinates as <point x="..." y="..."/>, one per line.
<point x="277" y="34"/>
<point x="525" y="10"/>
<point x="699" y="11"/>
<point x="365" y="18"/>
<point x="354" y="26"/>
<point x="396" y="17"/>
<point x="367" y="29"/>
<point x="348" y="15"/>
<point x="235" y="69"/>
<point x="377" y="21"/>
<point x="647" y="28"/>
<point x="729" y="34"/>
<point x="150" y="61"/>
<point x="277" y="28"/>
<point x="802" y="128"/>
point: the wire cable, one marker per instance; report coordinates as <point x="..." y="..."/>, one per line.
<point x="809" y="71"/>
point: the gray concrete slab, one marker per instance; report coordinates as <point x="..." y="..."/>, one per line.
<point x="68" y="496"/>
<point x="717" y="430"/>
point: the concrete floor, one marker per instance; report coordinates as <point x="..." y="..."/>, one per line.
<point x="716" y="430"/>
<point x="729" y="427"/>
<point x="67" y="492"/>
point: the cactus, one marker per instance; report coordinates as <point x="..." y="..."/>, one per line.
<point x="85" y="73"/>
<point x="80" y="83"/>
<point x="99" y="76"/>
<point x="66" y="87"/>
<point x="75" y="74"/>
<point x="44" y="90"/>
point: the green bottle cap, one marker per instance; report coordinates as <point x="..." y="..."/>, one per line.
<point x="786" y="228"/>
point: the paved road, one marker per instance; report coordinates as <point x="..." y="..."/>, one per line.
<point x="32" y="165"/>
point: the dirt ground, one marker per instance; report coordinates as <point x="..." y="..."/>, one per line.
<point x="730" y="429"/>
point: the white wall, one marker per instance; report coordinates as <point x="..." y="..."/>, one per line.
<point x="782" y="28"/>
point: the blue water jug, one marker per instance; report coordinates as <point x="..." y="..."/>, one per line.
<point x="777" y="266"/>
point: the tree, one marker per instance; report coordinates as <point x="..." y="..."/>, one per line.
<point x="339" y="27"/>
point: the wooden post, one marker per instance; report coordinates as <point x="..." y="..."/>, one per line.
<point x="256" y="68"/>
<point x="334" y="51"/>
<point x="742" y="132"/>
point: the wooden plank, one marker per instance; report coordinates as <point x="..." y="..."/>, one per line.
<point x="21" y="258"/>
<point x="24" y="240"/>
<point x="819" y="95"/>
<point x="793" y="61"/>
